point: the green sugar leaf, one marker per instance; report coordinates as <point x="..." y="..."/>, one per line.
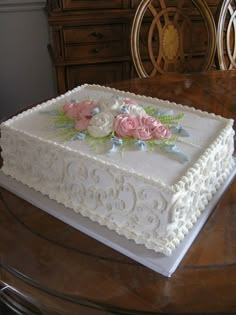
<point x="150" y="110"/>
<point x="62" y="120"/>
<point x="169" y="120"/>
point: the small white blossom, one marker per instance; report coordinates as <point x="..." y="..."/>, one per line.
<point x="111" y="105"/>
<point x="136" y="110"/>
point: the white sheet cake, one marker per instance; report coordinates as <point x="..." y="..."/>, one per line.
<point x="143" y="167"/>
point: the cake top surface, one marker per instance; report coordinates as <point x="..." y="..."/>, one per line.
<point x="153" y="138"/>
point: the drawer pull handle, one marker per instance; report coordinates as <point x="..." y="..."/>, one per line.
<point x="97" y="35"/>
<point x="95" y="50"/>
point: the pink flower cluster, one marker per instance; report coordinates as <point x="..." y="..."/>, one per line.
<point x="140" y="127"/>
<point x="80" y="112"/>
<point x="136" y="124"/>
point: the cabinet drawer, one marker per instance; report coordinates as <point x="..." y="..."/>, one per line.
<point x="94" y="51"/>
<point x="94" y="4"/>
<point x="96" y="73"/>
<point x="93" y="33"/>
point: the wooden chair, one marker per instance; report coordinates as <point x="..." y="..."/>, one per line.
<point x="226" y="35"/>
<point x="172" y="36"/>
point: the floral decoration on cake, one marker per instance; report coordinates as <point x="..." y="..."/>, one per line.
<point x="121" y="122"/>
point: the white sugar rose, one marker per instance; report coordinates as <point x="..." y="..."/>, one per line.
<point x="101" y="124"/>
<point x="111" y="105"/>
<point x="136" y="110"/>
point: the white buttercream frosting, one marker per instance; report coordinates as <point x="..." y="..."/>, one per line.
<point x="145" y="196"/>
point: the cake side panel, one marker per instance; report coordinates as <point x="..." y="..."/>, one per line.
<point x="202" y="182"/>
<point x="123" y="202"/>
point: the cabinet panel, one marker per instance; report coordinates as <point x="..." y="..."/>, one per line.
<point x="96" y="73"/>
<point x="94" y="51"/>
<point x="91" y="4"/>
<point x="93" y="33"/>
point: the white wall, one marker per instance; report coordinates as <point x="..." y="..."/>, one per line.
<point x="26" y="71"/>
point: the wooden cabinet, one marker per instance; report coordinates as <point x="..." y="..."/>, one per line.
<point x="90" y="40"/>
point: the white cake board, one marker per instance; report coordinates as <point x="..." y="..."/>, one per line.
<point x="156" y="261"/>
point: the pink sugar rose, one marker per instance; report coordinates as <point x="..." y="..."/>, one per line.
<point x="146" y="126"/>
<point x="82" y="124"/>
<point x="150" y="121"/>
<point x="143" y="132"/>
<point x="125" y="125"/>
<point x="79" y="110"/>
<point x="70" y="110"/>
<point x="161" y="132"/>
<point x="86" y="108"/>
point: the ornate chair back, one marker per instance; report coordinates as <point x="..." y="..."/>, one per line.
<point x="226" y="35"/>
<point x="172" y="36"/>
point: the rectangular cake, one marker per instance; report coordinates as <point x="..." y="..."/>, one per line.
<point x="143" y="167"/>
